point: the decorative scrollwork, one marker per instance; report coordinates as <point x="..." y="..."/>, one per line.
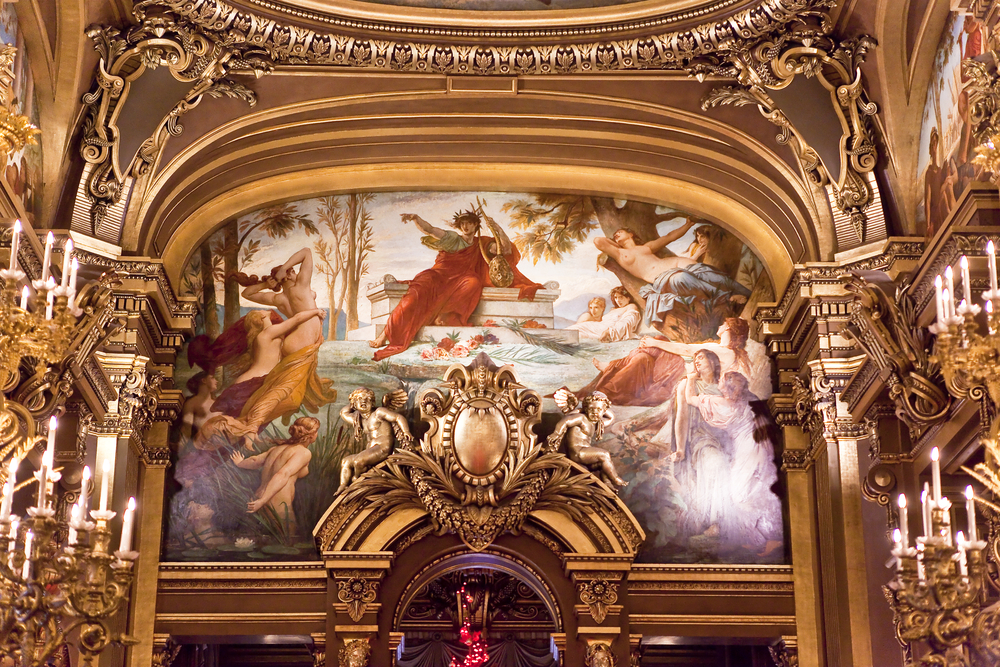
<point x="598" y="594"/>
<point x="357" y="592"/>
<point x="480" y="470"/>
<point x="883" y="324"/>
<point x="760" y="63"/>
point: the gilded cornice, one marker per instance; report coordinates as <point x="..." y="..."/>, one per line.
<point x="362" y="15"/>
<point x="512" y="52"/>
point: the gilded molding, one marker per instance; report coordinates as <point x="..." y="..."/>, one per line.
<point x="403" y="20"/>
<point x="598" y="594"/>
<point x="884" y="325"/>
<point x="357" y="592"/>
<point x="165" y="653"/>
<point x="678" y="50"/>
<point x="157" y="40"/>
<point x="771" y="63"/>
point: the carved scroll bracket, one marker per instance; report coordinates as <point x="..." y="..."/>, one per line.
<point x="357" y="590"/>
<point x="161" y="38"/>
<point x="770" y="63"/>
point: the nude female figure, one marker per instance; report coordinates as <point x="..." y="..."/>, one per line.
<point x="291" y="293"/>
<point x="641" y="260"/>
<point x="281" y="466"/>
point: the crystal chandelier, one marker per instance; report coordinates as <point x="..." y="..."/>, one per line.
<point x="53" y="588"/>
<point x="939" y="594"/>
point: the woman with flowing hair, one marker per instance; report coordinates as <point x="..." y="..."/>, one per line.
<point x="281" y="387"/>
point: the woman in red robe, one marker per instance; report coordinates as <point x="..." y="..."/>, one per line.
<point x="447" y="293"/>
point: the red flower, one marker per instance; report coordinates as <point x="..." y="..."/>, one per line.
<point x="446" y="344"/>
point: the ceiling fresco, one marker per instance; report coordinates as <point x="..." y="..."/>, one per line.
<point x="386" y="291"/>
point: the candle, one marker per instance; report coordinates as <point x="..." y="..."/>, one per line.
<point x="939" y="300"/>
<point x="12" y="543"/>
<point x="106" y="469"/>
<point x="126" y="544"/>
<point x="29" y="539"/>
<point x="966" y="281"/>
<point x="47" y="259"/>
<point x="898" y="549"/>
<point x="991" y="254"/>
<point x="67" y="260"/>
<point x="963" y="564"/>
<point x="84" y="500"/>
<point x="970" y="509"/>
<point x="925" y="505"/>
<point x="73" y="268"/>
<point x="50" y="300"/>
<point x="946" y="300"/>
<point x="903" y="528"/>
<point x="14" y="243"/>
<point x="50" y="446"/>
<point x="74" y="517"/>
<point x="25" y="294"/>
<point x="936" y="474"/>
<point x="8" y="490"/>
<point x="949" y="278"/>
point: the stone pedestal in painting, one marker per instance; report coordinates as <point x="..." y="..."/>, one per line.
<point x="496" y="304"/>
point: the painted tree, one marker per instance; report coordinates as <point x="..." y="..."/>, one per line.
<point x="237" y="248"/>
<point x="356" y="247"/>
<point x="552" y="225"/>
<point x="210" y="270"/>
<point x="329" y="259"/>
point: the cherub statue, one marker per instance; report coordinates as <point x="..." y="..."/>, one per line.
<point x="582" y="428"/>
<point x="382" y="425"/>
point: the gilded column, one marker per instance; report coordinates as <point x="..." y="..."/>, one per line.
<point x="149" y="533"/>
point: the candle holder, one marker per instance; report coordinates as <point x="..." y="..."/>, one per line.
<point x="50" y="591"/>
<point x="938" y="598"/>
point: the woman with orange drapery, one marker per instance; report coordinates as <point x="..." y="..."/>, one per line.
<point x="447" y="293"/>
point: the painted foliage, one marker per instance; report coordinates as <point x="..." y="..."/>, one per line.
<point x="304" y="302"/>
<point x="23" y="171"/>
<point x="947" y="147"/>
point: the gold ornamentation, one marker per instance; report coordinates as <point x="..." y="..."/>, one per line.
<point x="158" y="40"/>
<point x="936" y="604"/>
<point x="355" y="653"/>
<point x="764" y="62"/>
<point x="599" y="654"/>
<point x="883" y="324"/>
<point x="582" y="427"/>
<point x="164" y="656"/>
<point x="479" y="470"/>
<point x="598" y="594"/>
<point x="358" y="592"/>
<point x="16" y="130"/>
<point x="785" y="652"/>
<point x="383" y="425"/>
<point x="676" y="50"/>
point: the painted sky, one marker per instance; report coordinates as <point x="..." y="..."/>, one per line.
<point x="399" y="252"/>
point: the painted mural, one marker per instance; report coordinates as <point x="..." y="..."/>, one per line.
<point x="304" y="302"/>
<point x="502" y="5"/>
<point x="23" y="171"/>
<point x="947" y="147"/>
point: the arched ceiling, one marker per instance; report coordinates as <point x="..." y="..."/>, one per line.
<point x="586" y="100"/>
